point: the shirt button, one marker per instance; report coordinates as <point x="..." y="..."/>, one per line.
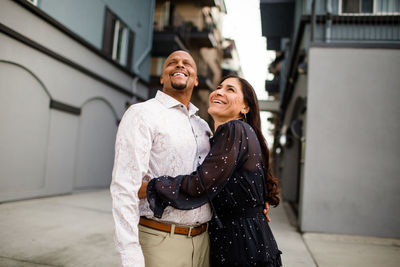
<point x="199" y="157"/>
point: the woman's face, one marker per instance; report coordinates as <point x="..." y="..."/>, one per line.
<point x="226" y="102"/>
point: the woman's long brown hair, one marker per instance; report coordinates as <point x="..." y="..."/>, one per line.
<point x="253" y="118"/>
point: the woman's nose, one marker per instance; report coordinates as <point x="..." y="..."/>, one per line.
<point x="219" y="91"/>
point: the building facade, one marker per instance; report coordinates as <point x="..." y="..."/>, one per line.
<point x="68" y="70"/>
<point x="194" y="26"/>
<point x="336" y="79"/>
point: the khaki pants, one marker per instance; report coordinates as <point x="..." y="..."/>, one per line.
<point x="161" y="249"/>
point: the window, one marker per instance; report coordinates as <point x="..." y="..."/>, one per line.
<point x="357" y="6"/>
<point x="120" y="47"/>
<point x="370" y="6"/>
<point x="117" y="40"/>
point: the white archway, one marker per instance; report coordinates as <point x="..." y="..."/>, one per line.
<point x="95" y="146"/>
<point x="24" y="118"/>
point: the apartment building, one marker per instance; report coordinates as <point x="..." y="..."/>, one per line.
<point x="68" y="70"/>
<point x="336" y="80"/>
<point x="194" y="26"/>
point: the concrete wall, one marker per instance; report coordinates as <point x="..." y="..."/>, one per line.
<point x="290" y="157"/>
<point x="351" y="181"/>
<point x="45" y="151"/>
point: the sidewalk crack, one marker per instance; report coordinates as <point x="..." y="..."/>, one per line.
<point x="27" y="261"/>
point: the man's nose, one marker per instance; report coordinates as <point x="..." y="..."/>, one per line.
<point x="179" y="64"/>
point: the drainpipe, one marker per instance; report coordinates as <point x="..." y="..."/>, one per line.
<point x="328" y="24"/>
<point x="313" y="20"/>
<point x="149" y="41"/>
<point x="135" y="82"/>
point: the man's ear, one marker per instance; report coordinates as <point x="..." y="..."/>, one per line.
<point x="196" y="83"/>
<point x="161" y="80"/>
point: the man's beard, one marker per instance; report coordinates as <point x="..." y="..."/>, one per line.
<point x="178" y="86"/>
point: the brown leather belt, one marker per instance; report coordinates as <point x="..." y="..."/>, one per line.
<point x="189" y="231"/>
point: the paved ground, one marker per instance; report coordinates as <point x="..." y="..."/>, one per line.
<point x="77" y="230"/>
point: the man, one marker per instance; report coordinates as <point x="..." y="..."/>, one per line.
<point x="161" y="136"/>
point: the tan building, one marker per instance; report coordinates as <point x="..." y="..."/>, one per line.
<point x="194" y="26"/>
<point x="231" y="63"/>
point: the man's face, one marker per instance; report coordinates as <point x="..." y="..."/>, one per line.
<point x="180" y="72"/>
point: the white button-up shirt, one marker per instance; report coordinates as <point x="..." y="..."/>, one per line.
<point x="157" y="137"/>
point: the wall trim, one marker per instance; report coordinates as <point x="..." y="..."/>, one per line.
<point x="23" y="39"/>
<point x="357" y="45"/>
<point x="105" y="101"/>
<point x="31" y="73"/>
<point x="54" y="104"/>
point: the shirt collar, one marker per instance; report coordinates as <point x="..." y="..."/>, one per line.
<point x="170" y="102"/>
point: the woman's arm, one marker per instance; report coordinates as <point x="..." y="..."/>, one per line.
<point x="228" y="150"/>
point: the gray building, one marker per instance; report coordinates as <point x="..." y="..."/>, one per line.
<point x="336" y="146"/>
<point x="68" y="69"/>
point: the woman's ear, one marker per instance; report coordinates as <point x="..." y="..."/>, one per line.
<point x="245" y="110"/>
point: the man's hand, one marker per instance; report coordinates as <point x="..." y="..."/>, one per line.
<point x="143" y="190"/>
<point x="265" y="211"/>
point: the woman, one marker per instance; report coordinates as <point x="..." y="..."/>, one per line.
<point x="235" y="177"/>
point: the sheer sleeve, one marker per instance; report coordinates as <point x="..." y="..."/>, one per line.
<point x="229" y="148"/>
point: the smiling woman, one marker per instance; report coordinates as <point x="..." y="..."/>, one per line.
<point x="227" y="102"/>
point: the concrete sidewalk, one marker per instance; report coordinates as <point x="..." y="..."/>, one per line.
<point x="77" y="230"/>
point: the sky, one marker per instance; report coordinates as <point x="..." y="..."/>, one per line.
<point x="242" y="23"/>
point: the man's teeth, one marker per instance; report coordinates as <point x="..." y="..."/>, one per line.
<point x="217" y="101"/>
<point x="179" y="74"/>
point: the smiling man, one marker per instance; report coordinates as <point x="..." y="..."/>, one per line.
<point x="162" y="136"/>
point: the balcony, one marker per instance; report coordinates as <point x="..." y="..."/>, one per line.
<point x="272" y="87"/>
<point x="205" y="75"/>
<point x="204" y="38"/>
<point x="277" y="18"/>
<point x="181" y="34"/>
<point x="358" y="29"/>
<point x="214" y="3"/>
<point x="167" y="41"/>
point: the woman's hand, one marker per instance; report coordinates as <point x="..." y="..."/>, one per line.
<point x="265" y="211"/>
<point x="143" y="190"/>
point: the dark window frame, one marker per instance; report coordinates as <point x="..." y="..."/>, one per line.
<point x="357" y="6"/>
<point x="110" y="20"/>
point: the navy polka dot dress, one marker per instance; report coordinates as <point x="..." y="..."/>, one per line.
<point x="233" y="179"/>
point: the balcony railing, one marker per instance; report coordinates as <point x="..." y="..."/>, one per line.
<point x="356" y="28"/>
<point x="181" y="34"/>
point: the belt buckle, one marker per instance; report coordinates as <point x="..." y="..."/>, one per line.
<point x="190" y="231"/>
